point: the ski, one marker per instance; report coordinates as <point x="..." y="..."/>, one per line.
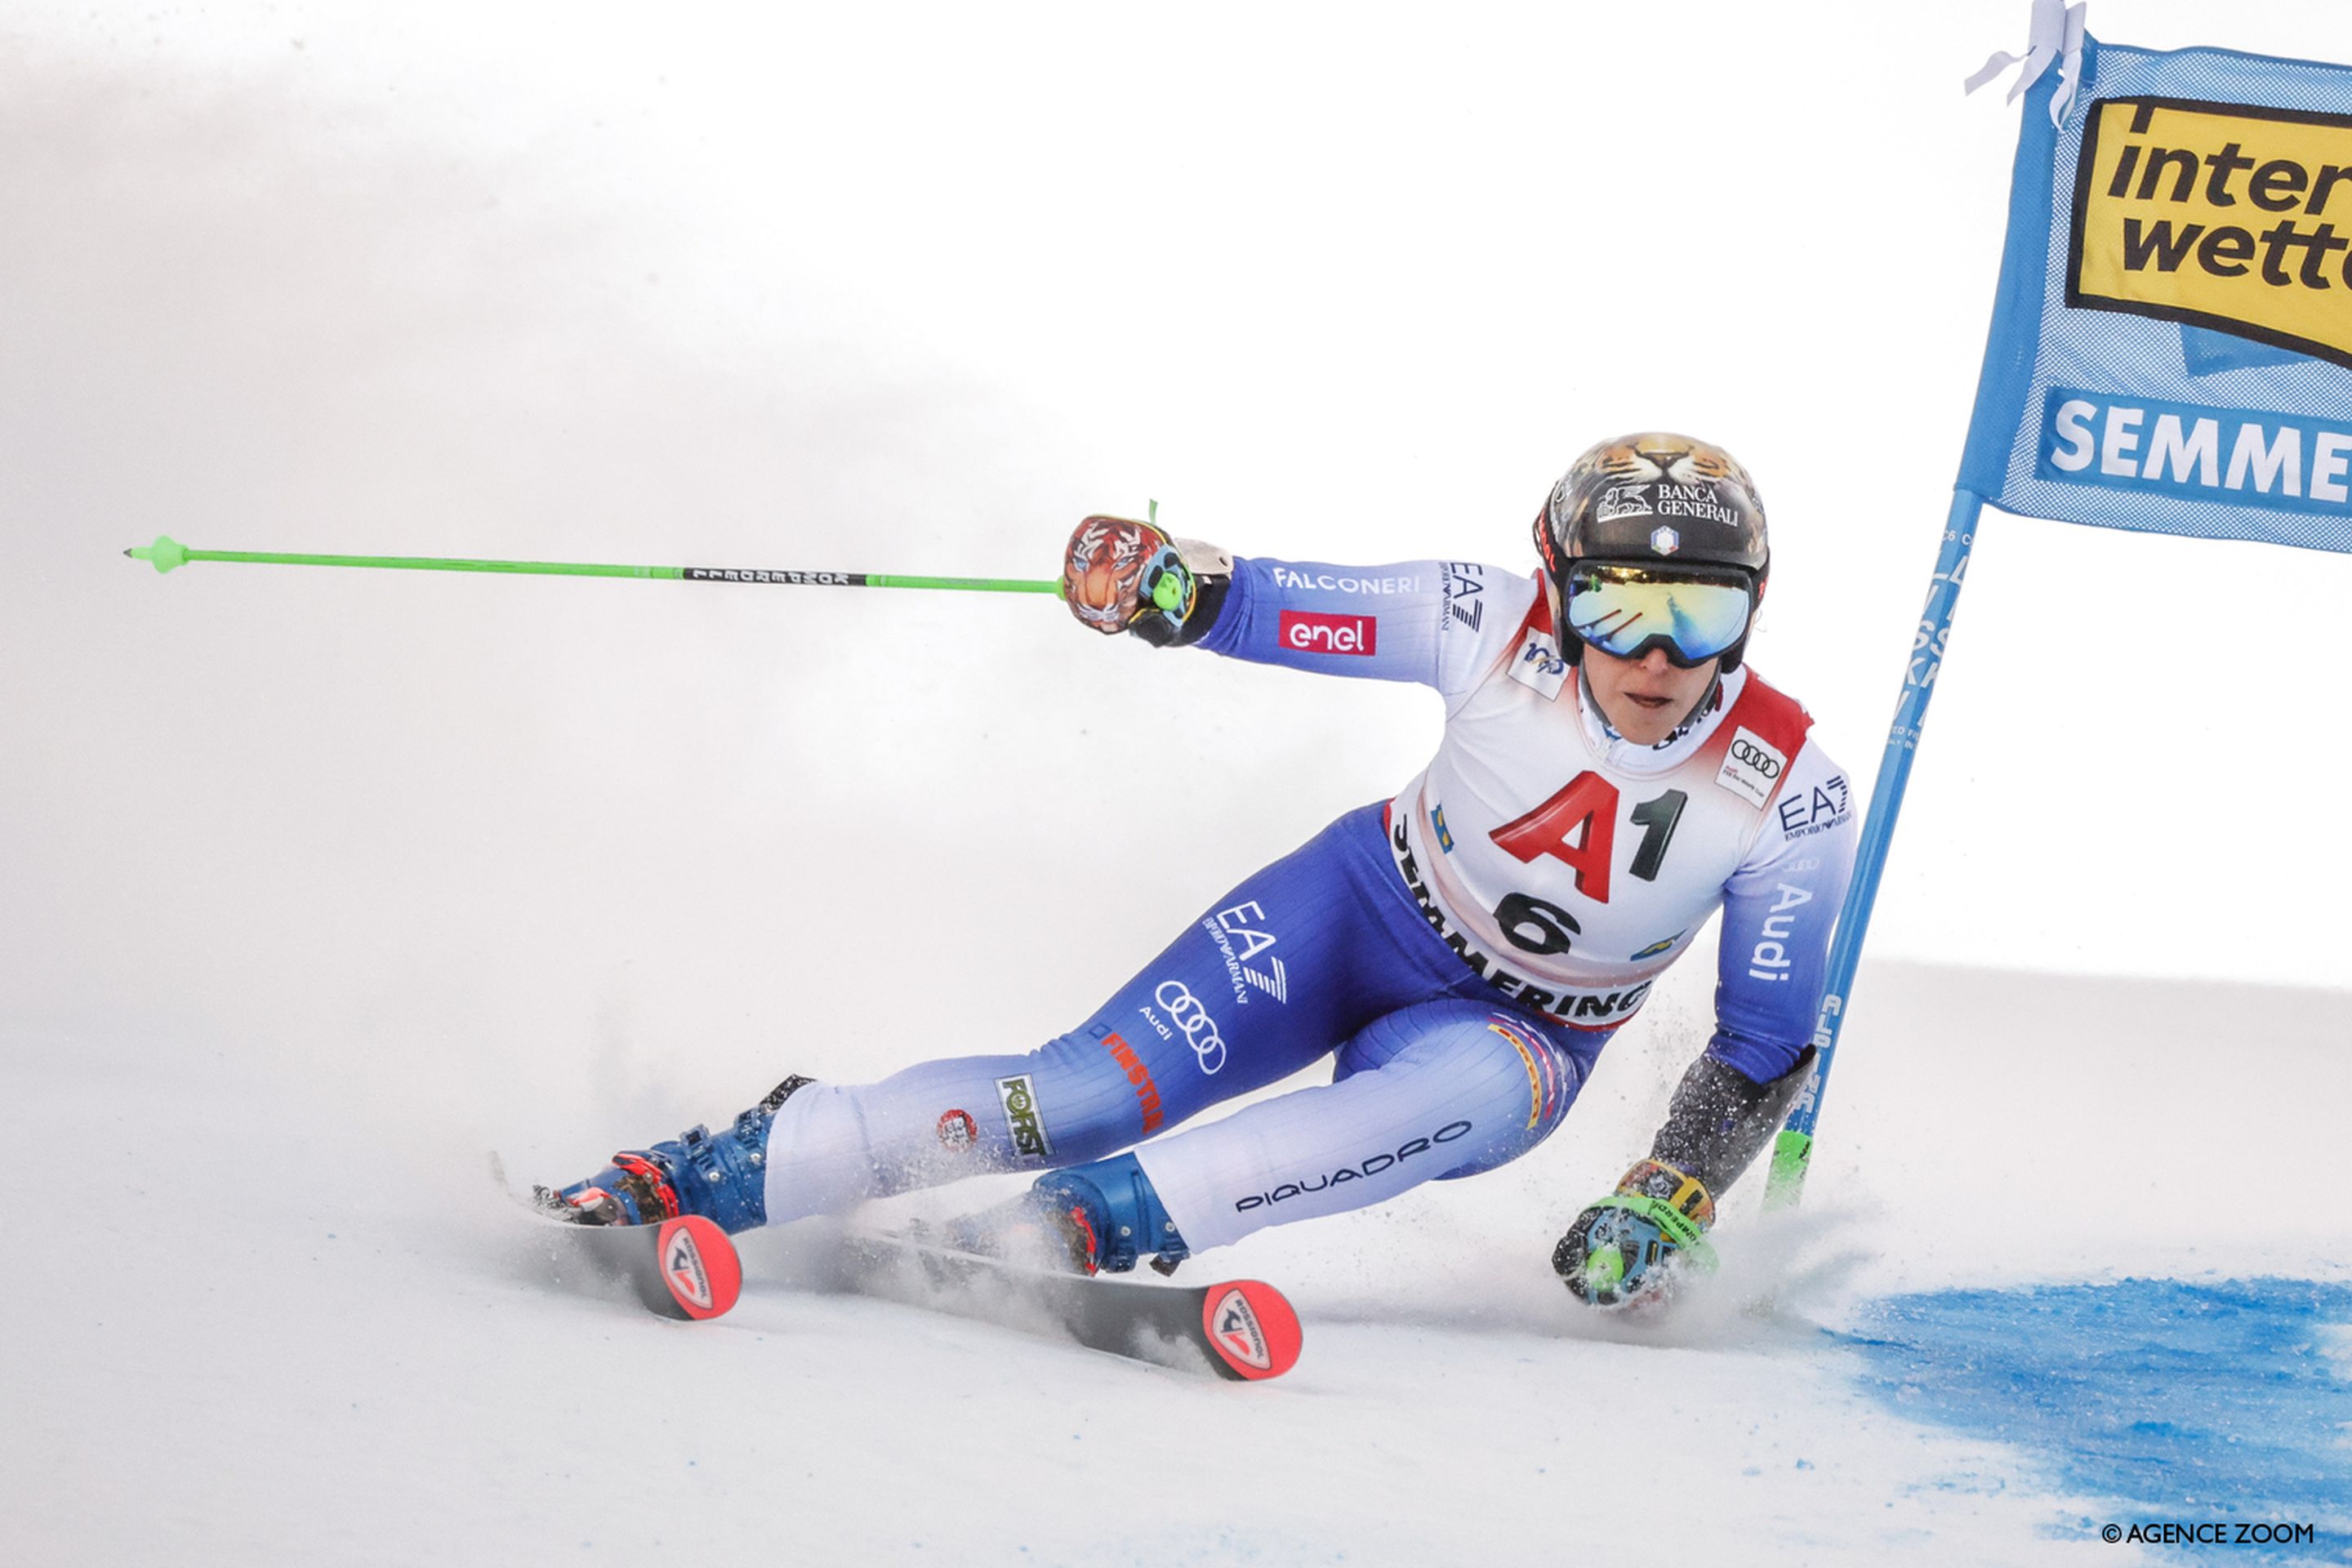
<point x="684" y="1268"/>
<point x="1242" y="1330"/>
<point x="688" y="1268"/>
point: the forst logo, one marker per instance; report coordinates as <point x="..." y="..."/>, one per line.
<point x="1022" y="1119"/>
<point x="1311" y="631"/>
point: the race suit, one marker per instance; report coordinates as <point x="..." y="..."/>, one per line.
<point x="1463" y="950"/>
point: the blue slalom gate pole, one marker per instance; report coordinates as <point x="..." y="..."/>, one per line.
<point x="1793" y="1151"/>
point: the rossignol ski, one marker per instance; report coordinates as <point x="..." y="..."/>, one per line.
<point x="687" y="1268"/>
<point x="683" y="1267"/>
<point x="1244" y="1330"/>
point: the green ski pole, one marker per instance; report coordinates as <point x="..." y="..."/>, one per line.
<point x="168" y="554"/>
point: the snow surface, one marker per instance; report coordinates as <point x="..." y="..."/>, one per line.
<point x="315" y="887"/>
<point x="284" y="1321"/>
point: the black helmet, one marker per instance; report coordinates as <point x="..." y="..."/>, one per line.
<point x="1659" y="501"/>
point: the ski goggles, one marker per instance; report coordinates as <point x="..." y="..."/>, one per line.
<point x="1626" y="611"/>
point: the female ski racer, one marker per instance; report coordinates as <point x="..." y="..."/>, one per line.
<point x="1611" y="772"/>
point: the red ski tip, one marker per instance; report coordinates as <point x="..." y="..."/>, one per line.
<point x="699" y="1266"/>
<point x="1252" y="1328"/>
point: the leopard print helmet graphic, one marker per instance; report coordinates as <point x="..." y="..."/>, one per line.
<point x="1654" y="499"/>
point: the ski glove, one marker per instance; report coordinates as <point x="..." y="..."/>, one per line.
<point x="1122" y="576"/>
<point x="1627" y="1247"/>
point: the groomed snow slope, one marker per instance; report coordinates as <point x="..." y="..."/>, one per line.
<point x="276" y="1322"/>
<point x="315" y="887"/>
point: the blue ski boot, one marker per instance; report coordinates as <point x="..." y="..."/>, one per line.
<point x="723" y="1178"/>
<point x="1088" y="1219"/>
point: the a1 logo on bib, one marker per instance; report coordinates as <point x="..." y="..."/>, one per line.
<point x="1752" y="768"/>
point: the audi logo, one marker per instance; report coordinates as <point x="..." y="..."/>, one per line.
<point x="1185" y="1011"/>
<point x="1757" y="757"/>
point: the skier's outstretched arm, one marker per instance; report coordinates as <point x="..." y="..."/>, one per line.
<point x="1778" y="911"/>
<point x="1436" y="623"/>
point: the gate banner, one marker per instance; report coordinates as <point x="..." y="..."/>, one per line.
<point x="2171" y="348"/>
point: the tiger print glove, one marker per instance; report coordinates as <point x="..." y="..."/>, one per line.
<point x="1122" y="576"/>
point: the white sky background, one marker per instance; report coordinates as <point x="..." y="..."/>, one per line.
<point x="901" y="288"/>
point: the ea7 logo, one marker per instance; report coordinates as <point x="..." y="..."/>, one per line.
<point x="1462" y="584"/>
<point x="1310" y="631"/>
<point x="1239" y="940"/>
<point x="1818" y="812"/>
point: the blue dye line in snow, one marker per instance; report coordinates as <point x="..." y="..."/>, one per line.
<point x="2183" y="1402"/>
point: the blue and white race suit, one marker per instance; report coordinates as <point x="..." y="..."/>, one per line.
<point x="1461" y="951"/>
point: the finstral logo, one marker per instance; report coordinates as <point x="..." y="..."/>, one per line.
<point x="1310" y="631"/>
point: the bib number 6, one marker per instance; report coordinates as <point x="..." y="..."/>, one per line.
<point x="1532" y="925"/>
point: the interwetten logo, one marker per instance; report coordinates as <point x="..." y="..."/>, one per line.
<point x="2219" y="215"/>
